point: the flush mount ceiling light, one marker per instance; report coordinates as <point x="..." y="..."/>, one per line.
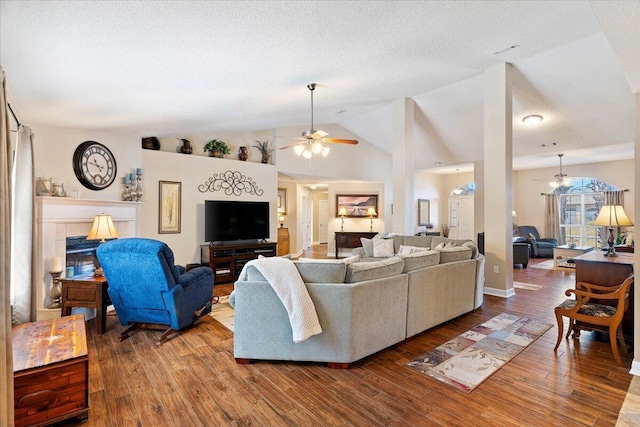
<point x="532" y="119"/>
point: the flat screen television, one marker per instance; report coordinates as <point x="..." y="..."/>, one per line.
<point x="228" y="220"/>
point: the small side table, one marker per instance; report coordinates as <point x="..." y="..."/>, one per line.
<point x="86" y="291"/>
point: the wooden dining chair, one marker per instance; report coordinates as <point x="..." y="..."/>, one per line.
<point x="595" y="315"/>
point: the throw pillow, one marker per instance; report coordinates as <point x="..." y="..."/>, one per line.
<point x="382" y="248"/>
<point x="532" y="237"/>
<point x="367" y="245"/>
<point x="407" y="250"/>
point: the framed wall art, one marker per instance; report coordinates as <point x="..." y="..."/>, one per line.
<point x="169" y="207"/>
<point x="282" y="200"/>
<point x="357" y="205"/>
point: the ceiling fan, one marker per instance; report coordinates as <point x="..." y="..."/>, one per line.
<point x="313" y="141"/>
<point x="560" y="179"/>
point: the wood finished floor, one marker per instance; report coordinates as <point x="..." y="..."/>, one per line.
<point x="193" y="380"/>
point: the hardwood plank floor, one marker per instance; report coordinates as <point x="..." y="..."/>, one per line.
<point x="193" y="380"/>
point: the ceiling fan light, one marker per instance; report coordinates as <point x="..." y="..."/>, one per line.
<point x="317" y="147"/>
<point x="457" y="191"/>
<point x="553" y="184"/>
<point x="325" y="151"/>
<point x="532" y="119"/>
<point x="298" y="149"/>
<point x="307" y="154"/>
<point x="566" y="183"/>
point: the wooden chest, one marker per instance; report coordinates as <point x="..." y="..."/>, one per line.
<point x="50" y="370"/>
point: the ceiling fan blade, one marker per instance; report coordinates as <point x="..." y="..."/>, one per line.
<point x="290" y="137"/>
<point x="319" y="134"/>
<point x="341" y="141"/>
<point x="291" y="145"/>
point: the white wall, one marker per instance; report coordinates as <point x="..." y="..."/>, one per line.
<point x="53" y="155"/>
<point x="193" y="171"/>
<point x="355" y="224"/>
<point x="529" y="184"/>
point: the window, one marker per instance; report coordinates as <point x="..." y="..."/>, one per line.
<point x="578" y="206"/>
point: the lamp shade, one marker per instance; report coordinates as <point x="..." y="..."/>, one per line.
<point x="102" y="228"/>
<point x="612" y="216"/>
<point x="371" y="211"/>
<point x="342" y="211"/>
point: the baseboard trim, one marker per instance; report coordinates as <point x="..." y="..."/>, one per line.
<point x="502" y="293"/>
<point x="635" y="368"/>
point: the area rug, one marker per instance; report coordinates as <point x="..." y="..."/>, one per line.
<point x="527" y="286"/>
<point x="223" y="312"/>
<point x="546" y="265"/>
<point x="469" y="359"/>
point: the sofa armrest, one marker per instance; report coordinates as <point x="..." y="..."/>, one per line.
<point x="550" y="240"/>
<point x="358" y="251"/>
<point x="195" y="275"/>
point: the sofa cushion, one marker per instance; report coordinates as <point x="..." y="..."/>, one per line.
<point x="419" y="260"/>
<point x="454" y="253"/>
<point x="406" y="250"/>
<point x="362" y="271"/>
<point x="367" y="245"/>
<point x="321" y="271"/>
<point x="419" y="241"/>
<point x="382" y="248"/>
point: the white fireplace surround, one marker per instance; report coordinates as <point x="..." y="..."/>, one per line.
<point x="60" y="217"/>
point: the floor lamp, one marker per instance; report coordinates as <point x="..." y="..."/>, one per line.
<point x="102" y="229"/>
<point x="612" y="216"/>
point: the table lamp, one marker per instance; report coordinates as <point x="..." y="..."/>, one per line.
<point x="102" y="229"/>
<point x="281" y="218"/>
<point x="342" y="212"/>
<point x="612" y="216"/>
<point x="371" y="212"/>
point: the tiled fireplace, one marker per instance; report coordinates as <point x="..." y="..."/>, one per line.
<point x="59" y="218"/>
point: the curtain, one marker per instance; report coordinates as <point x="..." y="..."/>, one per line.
<point x="6" y="355"/>
<point x="552" y="217"/>
<point x="22" y="228"/>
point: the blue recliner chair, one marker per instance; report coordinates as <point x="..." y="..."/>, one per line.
<point x="148" y="291"/>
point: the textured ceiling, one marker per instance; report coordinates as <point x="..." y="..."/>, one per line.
<point x="187" y="67"/>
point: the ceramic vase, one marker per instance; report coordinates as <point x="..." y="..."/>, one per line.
<point x="243" y="154"/>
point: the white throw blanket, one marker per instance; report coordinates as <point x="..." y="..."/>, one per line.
<point x="284" y="278"/>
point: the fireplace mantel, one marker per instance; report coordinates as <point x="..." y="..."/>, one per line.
<point x="60" y="217"/>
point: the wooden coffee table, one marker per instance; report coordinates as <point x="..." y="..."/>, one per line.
<point x="566" y="251"/>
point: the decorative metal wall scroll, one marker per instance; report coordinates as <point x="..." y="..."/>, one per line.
<point x="232" y="183"/>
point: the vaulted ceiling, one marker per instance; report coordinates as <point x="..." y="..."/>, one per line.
<point x="173" y="68"/>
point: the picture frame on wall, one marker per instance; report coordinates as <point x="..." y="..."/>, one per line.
<point x="424" y="216"/>
<point x="282" y="200"/>
<point x="169" y="207"/>
<point x="357" y="205"/>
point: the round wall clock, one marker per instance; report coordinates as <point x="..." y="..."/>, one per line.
<point x="94" y="165"/>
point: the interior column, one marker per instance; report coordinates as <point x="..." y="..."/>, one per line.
<point x="498" y="180"/>
<point x="404" y="205"/>
<point x="635" y="365"/>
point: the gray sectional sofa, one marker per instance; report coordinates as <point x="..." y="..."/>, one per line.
<point x="365" y="304"/>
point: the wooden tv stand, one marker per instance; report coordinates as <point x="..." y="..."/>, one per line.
<point x="227" y="259"/>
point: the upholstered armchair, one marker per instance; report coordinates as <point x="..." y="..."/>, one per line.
<point x="148" y="291"/>
<point x="540" y="247"/>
